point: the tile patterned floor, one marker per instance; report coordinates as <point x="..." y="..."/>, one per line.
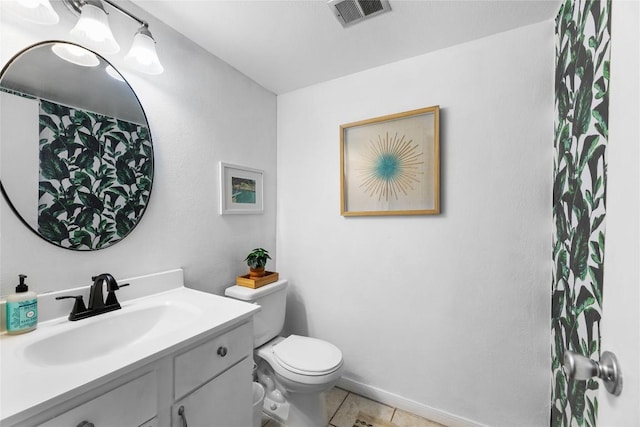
<point x="343" y="407"/>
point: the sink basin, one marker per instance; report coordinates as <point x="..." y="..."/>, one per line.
<point x="104" y="334"/>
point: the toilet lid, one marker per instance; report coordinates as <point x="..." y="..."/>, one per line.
<point x="307" y="356"/>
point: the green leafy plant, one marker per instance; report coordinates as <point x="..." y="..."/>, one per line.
<point x="257" y="258"/>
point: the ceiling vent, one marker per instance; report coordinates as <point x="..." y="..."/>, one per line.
<point x="350" y="12"/>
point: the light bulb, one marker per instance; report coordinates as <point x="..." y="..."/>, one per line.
<point x="75" y="54"/>
<point x="37" y="11"/>
<point x="92" y="29"/>
<point x="143" y="56"/>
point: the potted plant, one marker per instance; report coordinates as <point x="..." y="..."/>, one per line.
<point x="256" y="260"/>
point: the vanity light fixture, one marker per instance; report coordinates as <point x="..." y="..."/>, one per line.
<point x="38" y="11"/>
<point x="95" y="33"/>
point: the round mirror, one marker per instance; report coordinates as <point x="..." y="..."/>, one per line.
<point x="76" y="156"/>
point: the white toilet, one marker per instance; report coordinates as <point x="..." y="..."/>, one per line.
<point x="295" y="371"/>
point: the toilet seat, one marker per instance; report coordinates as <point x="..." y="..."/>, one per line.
<point x="307" y="356"/>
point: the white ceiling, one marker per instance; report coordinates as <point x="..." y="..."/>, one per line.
<point x="289" y="44"/>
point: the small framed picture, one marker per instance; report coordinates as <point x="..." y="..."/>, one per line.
<point x="241" y="190"/>
<point x="391" y="165"/>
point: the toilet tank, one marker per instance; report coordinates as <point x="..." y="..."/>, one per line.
<point x="272" y="298"/>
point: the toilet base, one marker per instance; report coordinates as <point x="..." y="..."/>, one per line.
<point x="279" y="411"/>
<point x="307" y="410"/>
<point x="300" y="410"/>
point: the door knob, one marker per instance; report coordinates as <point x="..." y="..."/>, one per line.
<point x="578" y="367"/>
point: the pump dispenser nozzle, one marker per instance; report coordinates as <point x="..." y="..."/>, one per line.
<point x="22" y="287"/>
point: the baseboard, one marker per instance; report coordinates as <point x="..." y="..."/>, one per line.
<point x="408" y="405"/>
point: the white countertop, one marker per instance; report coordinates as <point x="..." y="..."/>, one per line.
<point x="28" y="387"/>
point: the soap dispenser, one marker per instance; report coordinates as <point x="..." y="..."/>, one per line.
<point x="22" y="309"/>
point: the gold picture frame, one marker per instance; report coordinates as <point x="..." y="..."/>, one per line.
<point x="390" y="165"/>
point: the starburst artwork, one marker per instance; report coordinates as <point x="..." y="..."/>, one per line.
<point x="392" y="167"/>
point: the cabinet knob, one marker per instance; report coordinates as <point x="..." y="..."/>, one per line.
<point x="85" y="424"/>
<point x="222" y="351"/>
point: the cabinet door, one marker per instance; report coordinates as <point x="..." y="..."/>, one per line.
<point x="225" y="401"/>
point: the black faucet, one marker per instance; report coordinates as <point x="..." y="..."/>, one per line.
<point x="96" y="300"/>
<point x="97" y="304"/>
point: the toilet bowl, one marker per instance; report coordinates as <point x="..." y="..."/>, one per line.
<point x="295" y="370"/>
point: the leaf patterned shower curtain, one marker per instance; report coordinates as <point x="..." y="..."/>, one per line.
<point x="583" y="29"/>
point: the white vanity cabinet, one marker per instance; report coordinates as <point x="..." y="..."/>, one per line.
<point x="209" y="378"/>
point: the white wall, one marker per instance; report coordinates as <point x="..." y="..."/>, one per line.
<point x="445" y="315"/>
<point x="200" y="111"/>
<point x="20" y="166"/>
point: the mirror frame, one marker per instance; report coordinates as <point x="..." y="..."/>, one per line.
<point x="4" y="192"/>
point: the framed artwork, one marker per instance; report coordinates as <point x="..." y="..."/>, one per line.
<point x="390" y="165"/>
<point x="241" y="190"/>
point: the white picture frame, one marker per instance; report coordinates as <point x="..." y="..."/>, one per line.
<point x="241" y="190"/>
